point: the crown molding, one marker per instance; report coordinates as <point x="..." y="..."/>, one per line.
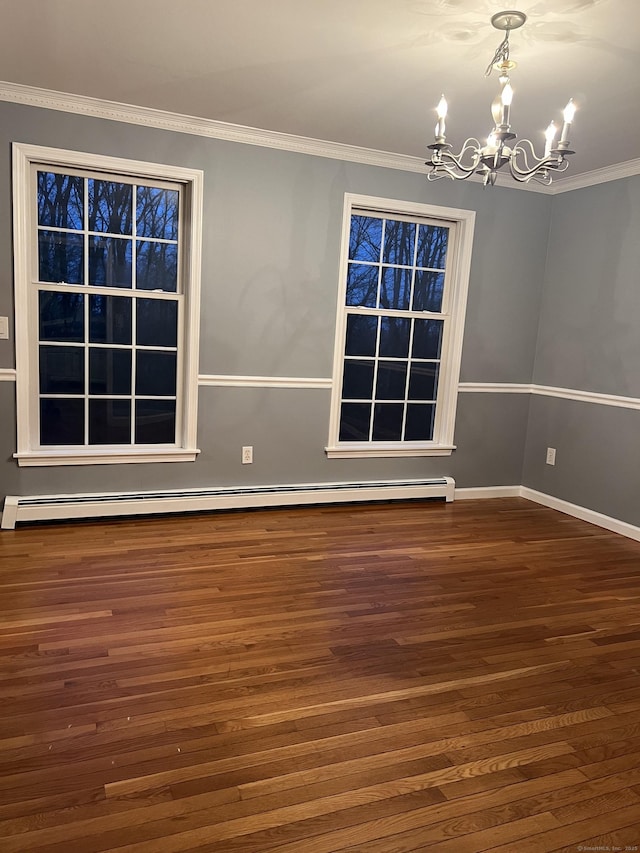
<point x="178" y="123"/>
<point x="49" y="99"/>
<point x="597" y="176"/>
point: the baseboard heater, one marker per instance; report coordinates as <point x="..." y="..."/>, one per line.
<point x="61" y="507"/>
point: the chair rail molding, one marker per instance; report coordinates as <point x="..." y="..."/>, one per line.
<point x="602" y="399"/>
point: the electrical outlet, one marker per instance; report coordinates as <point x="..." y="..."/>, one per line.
<point x="247" y="455"/>
<point x="551" y="456"/>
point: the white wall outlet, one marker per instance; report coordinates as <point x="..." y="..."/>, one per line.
<point x="247" y="455"/>
<point x="551" y="456"/>
<point x="4" y="328"/>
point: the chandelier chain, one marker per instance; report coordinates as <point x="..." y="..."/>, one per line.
<point x="501" y="54"/>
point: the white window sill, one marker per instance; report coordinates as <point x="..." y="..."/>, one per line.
<point x="117" y="456"/>
<point x="363" y="451"/>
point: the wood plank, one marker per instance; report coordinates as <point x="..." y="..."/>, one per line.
<point x="456" y="677"/>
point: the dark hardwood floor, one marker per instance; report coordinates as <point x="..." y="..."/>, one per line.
<point x="387" y="678"/>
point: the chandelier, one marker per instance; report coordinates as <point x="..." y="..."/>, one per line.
<point x="499" y="150"/>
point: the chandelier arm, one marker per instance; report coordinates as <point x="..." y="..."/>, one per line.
<point x="541" y="175"/>
<point x="519" y="150"/>
<point x="446" y="159"/>
<point x="542" y="164"/>
<point x="444" y="170"/>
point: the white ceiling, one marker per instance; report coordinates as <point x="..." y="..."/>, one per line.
<point x="361" y="72"/>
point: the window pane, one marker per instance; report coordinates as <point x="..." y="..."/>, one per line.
<point x="428" y="290"/>
<point x="354" y="421"/>
<point x="357" y="380"/>
<point x="427" y="338"/>
<point x="61" y="316"/>
<point x="362" y="285"/>
<point x="60" y="257"/>
<point x="109" y="262"/>
<point x="396" y="332"/>
<point x="157" y="322"/>
<point x="419" y="423"/>
<point x="110" y="206"/>
<point x="61" y="370"/>
<point x="109" y="320"/>
<point x="399" y="242"/>
<point x="423" y="381"/>
<point x="103" y="301"/>
<point x="395" y="288"/>
<point x="365" y="238"/>
<point x="155" y="373"/>
<point x="155" y="421"/>
<point x="432" y="246"/>
<point x="60" y="200"/>
<point x="394" y="337"/>
<point x="157" y="266"/>
<point x="391" y="381"/>
<point x="361" y="335"/>
<point x="109" y="371"/>
<point x="61" y="421"/>
<point x="387" y="421"/>
<point x="109" y="421"/>
<point x="157" y="213"/>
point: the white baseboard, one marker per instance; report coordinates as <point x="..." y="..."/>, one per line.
<point x="590" y="515"/>
<point x="581" y="512"/>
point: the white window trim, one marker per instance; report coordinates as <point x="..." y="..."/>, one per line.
<point x="458" y="266"/>
<point x="24" y="156"/>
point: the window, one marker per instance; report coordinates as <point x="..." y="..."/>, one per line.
<point x="404" y="276"/>
<point x="107" y="256"/>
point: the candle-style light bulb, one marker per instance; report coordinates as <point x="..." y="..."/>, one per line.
<point x="569" y="111"/>
<point x="567" y="115"/>
<point x="549" y="135"/>
<point x="506" y="97"/>
<point x="441" y="111"/>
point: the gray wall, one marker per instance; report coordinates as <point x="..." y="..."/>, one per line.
<point x="272" y="223"/>
<point x="589" y="335"/>
<point x="589" y="340"/>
